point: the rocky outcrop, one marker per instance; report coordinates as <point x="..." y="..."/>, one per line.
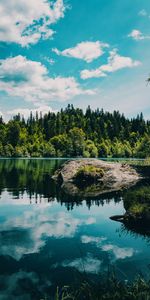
<point x="96" y="176"/>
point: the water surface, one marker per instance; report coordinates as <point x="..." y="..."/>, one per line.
<point x="47" y="241"/>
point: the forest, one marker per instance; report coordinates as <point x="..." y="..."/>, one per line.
<point x="75" y="133"/>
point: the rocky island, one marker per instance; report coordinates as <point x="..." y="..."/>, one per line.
<point x="92" y="177"/>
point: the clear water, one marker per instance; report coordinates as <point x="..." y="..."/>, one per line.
<point x="46" y="242"/>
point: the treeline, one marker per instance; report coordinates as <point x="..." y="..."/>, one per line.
<point x="72" y="133"/>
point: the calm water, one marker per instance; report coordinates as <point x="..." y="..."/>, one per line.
<point x="46" y="242"/>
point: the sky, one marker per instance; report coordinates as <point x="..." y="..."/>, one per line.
<point x="89" y="52"/>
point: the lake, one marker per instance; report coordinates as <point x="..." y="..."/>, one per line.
<point x="48" y="240"/>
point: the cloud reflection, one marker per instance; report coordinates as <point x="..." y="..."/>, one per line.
<point x="85" y="239"/>
<point x="88" y="264"/>
<point x="116" y="251"/>
<point x="28" y="232"/>
<point x="119" y="252"/>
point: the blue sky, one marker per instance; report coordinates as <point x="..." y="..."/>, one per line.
<point x="89" y="52"/>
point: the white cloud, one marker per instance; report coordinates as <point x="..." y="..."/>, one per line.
<point x="112" y="97"/>
<point x="87" y="51"/>
<point x="86" y="264"/>
<point x="115" y="63"/>
<point x="143" y="13"/>
<point x="119" y="253"/>
<point x="20" y="77"/>
<point x="25" y="22"/>
<point x="26" y="111"/>
<point x="96" y="73"/>
<point x="138" y="35"/>
<point x="48" y="59"/>
<point x="51" y="61"/>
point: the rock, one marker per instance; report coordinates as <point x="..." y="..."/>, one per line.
<point x="118" y="218"/>
<point x="80" y="176"/>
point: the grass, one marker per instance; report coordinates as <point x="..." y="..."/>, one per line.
<point x="109" y="288"/>
<point x="90" y="169"/>
<point x="89" y="173"/>
<point x="114" y="290"/>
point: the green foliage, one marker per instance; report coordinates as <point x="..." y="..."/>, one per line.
<point x="143" y="147"/>
<point x="89" y="174"/>
<point x="137" y="202"/>
<point x="90" y="169"/>
<point x="137" y="209"/>
<point x="77" y="137"/>
<point x="90" y="149"/>
<point x="13" y="133"/>
<point x="73" y="133"/>
<point x="103" y="150"/>
<point x="140" y="195"/>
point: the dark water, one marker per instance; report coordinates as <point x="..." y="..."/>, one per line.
<point x="46" y="242"/>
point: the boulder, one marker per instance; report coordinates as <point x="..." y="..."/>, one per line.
<point x="78" y="176"/>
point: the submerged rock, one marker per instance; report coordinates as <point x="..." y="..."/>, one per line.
<point x="92" y="177"/>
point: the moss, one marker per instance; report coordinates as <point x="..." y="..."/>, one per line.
<point x="89" y="169"/>
<point x="88" y="175"/>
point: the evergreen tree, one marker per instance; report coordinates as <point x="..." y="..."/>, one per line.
<point x="71" y="133"/>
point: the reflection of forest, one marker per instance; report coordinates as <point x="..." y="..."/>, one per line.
<point x="30" y="175"/>
<point x="33" y="177"/>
